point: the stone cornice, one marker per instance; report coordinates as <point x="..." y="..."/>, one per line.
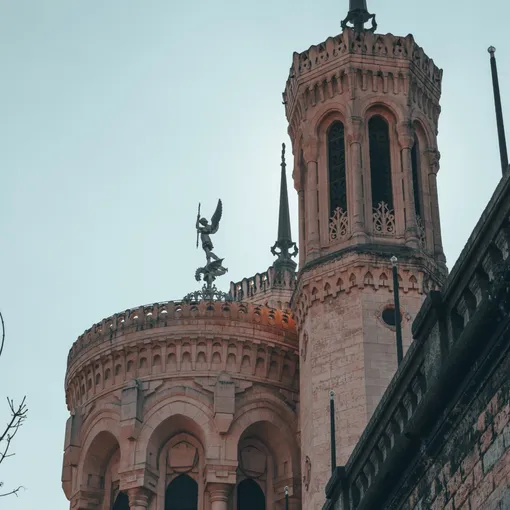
<point x="175" y="313"/>
<point x="362" y="266"/>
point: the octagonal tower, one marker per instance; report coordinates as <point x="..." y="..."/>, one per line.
<point x="363" y="113"/>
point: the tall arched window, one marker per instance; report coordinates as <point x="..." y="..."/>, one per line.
<point x="182" y="494"/>
<point x="380" y="161"/>
<point x="415" y="163"/>
<point x="336" y="168"/>
<point x="121" y="502"/>
<point x="250" y="496"/>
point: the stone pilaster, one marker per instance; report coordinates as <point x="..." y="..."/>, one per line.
<point x="406" y="142"/>
<point x="434" y="157"/>
<point x="356" y="194"/>
<point x="310" y="154"/>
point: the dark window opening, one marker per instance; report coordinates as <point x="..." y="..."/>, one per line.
<point x="121" y="502"/>
<point x="415" y="151"/>
<point x="182" y="494"/>
<point x="250" y="496"/>
<point x="388" y="316"/>
<point x="336" y="168"/>
<point x="380" y="161"/>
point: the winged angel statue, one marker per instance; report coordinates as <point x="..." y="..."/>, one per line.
<point x="214" y="266"/>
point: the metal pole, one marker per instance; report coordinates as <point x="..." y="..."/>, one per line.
<point x="333" y="438"/>
<point x="398" y="325"/>
<point x="499" y="111"/>
<point x="286" y="498"/>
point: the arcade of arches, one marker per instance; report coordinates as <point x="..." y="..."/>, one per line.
<point x="265" y="463"/>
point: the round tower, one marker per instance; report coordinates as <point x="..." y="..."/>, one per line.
<point x="363" y="113"/>
<point x="182" y="406"/>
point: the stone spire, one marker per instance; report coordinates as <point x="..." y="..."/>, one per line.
<point x="284" y="241"/>
<point x="358" y="15"/>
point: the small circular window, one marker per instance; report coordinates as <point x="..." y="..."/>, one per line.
<point x="388" y="316"/>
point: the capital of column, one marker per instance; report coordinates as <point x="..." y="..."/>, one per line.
<point x="310" y="149"/>
<point x="219" y="491"/>
<point x="138" y="498"/>
<point x="355" y="131"/>
<point x="405" y="135"/>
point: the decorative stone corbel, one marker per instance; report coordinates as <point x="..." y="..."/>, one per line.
<point x="89" y="499"/>
<point x="310" y="149"/>
<point x="405" y="135"/>
<point x="434" y="157"/>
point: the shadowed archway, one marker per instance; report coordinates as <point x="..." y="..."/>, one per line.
<point x="250" y="496"/>
<point x="121" y="502"/>
<point x="182" y="494"/>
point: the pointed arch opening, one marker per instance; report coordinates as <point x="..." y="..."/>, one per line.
<point x="121" y="502"/>
<point x="336" y="168"/>
<point x="250" y="496"/>
<point x="182" y="494"/>
<point x="380" y="162"/>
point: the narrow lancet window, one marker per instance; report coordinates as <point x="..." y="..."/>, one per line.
<point x="415" y="163"/>
<point x="336" y="168"/>
<point x="380" y="162"/>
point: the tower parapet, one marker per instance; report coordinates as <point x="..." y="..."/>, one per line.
<point x="365" y="62"/>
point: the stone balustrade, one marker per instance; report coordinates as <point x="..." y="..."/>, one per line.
<point x="457" y="330"/>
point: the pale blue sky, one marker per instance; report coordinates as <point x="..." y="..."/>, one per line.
<point x="118" y="116"/>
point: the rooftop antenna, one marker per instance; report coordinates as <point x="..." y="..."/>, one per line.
<point x="358" y="15"/>
<point x="499" y="111"/>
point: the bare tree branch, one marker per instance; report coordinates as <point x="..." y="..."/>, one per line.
<point x="18" y="416"/>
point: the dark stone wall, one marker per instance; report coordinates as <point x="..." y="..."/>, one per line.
<point x="471" y="470"/>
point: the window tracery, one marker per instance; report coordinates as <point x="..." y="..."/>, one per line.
<point x="338" y="221"/>
<point x="380" y="175"/>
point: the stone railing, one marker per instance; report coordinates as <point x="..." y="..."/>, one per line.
<point x="172" y="313"/>
<point x="260" y="285"/>
<point x="453" y="332"/>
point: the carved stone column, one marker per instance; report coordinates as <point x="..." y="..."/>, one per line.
<point x="434" y="157"/>
<point x="302" y="223"/>
<point x="354" y="139"/>
<point x="218" y="495"/>
<point x="310" y="154"/>
<point x="138" y="498"/>
<point x="406" y="141"/>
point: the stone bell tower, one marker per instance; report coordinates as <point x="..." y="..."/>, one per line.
<point x="363" y="113"/>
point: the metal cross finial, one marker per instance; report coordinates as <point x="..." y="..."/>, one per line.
<point x="358" y="15"/>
